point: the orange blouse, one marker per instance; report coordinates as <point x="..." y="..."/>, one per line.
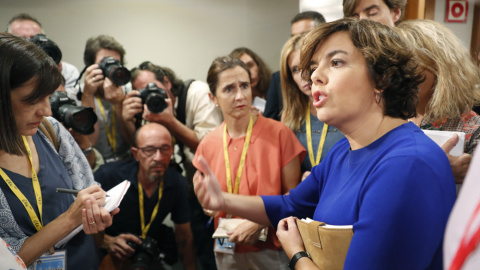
<point x="272" y="146"/>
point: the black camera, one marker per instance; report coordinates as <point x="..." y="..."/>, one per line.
<point x="79" y="118"/>
<point x="154" y="97"/>
<point x="114" y="71"/>
<point x="149" y="253"/>
<point x="48" y="46"/>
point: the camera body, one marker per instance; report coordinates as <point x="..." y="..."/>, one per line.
<point x="112" y="69"/>
<point x="148" y="253"/>
<point x="48" y="46"/>
<point x="154" y="97"/>
<point x="79" y="118"/>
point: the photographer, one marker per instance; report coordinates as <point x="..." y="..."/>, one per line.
<point x="78" y="120"/>
<point x="156" y="190"/>
<point x="104" y="96"/>
<point x="26" y="26"/>
<point x="189" y="116"/>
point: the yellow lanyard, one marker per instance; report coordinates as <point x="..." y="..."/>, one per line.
<point x="314" y="161"/>
<point x="155" y="210"/>
<point x="37" y="222"/>
<point x="242" y="159"/>
<point x="111" y="132"/>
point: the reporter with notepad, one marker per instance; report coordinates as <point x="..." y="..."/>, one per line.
<point x="386" y="178"/>
<point x="34" y="216"/>
<point x="450" y="90"/>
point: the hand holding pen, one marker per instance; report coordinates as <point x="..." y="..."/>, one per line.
<point x="87" y="209"/>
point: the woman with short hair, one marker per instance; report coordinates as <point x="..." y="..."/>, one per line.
<point x="386" y="178"/>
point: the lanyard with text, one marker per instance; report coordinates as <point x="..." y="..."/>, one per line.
<point x="242" y="159"/>
<point x="111" y="132"/>
<point x="37" y="222"/>
<point x="155" y="210"/>
<point x="314" y="161"/>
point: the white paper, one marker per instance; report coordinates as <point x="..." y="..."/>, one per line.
<point x="464" y="213"/>
<point x="9" y="259"/>
<point x="440" y="137"/>
<point x="259" y="103"/>
<point x="329" y="226"/>
<point x="227" y="224"/>
<point x="115" y="196"/>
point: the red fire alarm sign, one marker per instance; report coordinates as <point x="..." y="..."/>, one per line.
<point x="457" y="11"/>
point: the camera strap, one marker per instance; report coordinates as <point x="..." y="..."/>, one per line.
<point x="79" y="93"/>
<point x="47" y="129"/>
<point x="155" y="210"/>
<point x="111" y="132"/>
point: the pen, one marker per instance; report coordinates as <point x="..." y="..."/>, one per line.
<point x="70" y="191"/>
<point x="209" y="221"/>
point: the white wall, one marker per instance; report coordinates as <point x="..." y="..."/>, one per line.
<point x="185" y="35"/>
<point x="333" y="9"/>
<point x="330" y="9"/>
<point x="462" y="30"/>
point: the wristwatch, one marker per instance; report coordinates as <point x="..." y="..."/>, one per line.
<point x="297" y="257"/>
<point x="87" y="151"/>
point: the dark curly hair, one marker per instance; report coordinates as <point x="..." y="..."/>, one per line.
<point x="391" y="64"/>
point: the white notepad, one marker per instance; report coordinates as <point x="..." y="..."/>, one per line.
<point x="440" y="137"/>
<point x="115" y="196"/>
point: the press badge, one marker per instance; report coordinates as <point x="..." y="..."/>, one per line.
<point x="55" y="261"/>
<point x="222" y="245"/>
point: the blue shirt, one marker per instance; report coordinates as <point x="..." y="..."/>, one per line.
<point x="397" y="192"/>
<point x="52" y="175"/>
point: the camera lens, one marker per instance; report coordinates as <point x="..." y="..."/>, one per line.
<point x="114" y="71"/>
<point x="156" y="103"/>
<point x="118" y="75"/>
<point x="80" y="119"/>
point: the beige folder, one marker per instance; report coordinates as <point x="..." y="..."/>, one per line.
<point x="327" y="245"/>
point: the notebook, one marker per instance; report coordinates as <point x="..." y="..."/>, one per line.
<point x="115" y="196"/>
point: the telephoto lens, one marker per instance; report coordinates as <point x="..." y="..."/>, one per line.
<point x="79" y="118"/>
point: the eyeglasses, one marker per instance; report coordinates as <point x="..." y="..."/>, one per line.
<point x="152" y="150"/>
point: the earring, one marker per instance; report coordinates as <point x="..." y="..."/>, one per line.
<point x="378" y="97"/>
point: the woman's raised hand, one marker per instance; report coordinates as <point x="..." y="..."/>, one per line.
<point x="207" y="188"/>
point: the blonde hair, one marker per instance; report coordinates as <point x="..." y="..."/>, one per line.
<point x="295" y="103"/>
<point x="442" y="53"/>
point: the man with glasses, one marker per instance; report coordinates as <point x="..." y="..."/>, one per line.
<point x="155" y="191"/>
<point x="189" y="116"/>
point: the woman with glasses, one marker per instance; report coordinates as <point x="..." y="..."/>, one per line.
<point x="34" y="216"/>
<point x="250" y="155"/>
